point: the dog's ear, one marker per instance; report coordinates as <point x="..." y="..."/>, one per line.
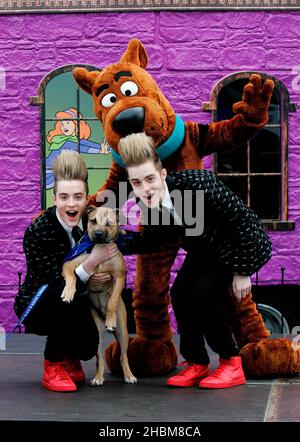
<point x="85" y="79"/>
<point x="117" y="213"/>
<point x="90" y="209"/>
<point x="135" y="53"/>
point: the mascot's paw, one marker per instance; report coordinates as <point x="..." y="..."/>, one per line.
<point x="256" y="100"/>
<point x="271" y="357"/>
<point x="146" y="357"/>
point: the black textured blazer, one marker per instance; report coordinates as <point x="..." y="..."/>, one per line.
<point x="46" y="244"/>
<point x="232" y="233"/>
<point x="231" y="229"/>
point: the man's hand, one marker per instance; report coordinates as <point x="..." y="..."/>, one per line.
<point x="99" y="254"/>
<point x="241" y="286"/>
<point x="255" y="101"/>
<point x="100" y="278"/>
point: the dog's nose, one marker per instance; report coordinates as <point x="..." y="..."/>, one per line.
<point x="129" y="121"/>
<point x="99" y="235"/>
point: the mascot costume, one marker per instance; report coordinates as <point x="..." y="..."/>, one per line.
<point x="128" y="100"/>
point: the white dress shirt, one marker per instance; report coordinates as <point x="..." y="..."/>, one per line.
<point x="167" y="203"/>
<point x="83" y="275"/>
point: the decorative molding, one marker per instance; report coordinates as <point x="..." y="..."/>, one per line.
<point x="64" y="6"/>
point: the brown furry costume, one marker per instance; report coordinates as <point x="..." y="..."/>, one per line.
<point x="152" y="351"/>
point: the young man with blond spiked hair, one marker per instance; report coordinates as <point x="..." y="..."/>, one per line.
<point x="70" y="329"/>
<point x="231" y="246"/>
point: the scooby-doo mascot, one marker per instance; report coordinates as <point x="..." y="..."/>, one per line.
<point x="128" y="100"/>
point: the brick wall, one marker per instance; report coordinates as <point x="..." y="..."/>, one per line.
<point x="188" y="52"/>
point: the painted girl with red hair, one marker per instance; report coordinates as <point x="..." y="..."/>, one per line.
<point x="66" y="129"/>
<point x="70" y="132"/>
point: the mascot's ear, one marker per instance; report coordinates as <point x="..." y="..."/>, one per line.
<point x="135" y="53"/>
<point x="85" y="79"/>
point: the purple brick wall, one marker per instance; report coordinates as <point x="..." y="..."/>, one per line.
<point x="189" y="52"/>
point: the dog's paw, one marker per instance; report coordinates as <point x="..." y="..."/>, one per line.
<point x="68" y="294"/>
<point x="111" y="325"/>
<point x="131" y="380"/>
<point x="96" y="382"/>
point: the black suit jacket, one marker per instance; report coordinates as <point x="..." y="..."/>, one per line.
<point x="232" y="232"/>
<point x="46" y="244"/>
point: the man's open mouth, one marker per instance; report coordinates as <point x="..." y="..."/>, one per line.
<point x="72" y="213"/>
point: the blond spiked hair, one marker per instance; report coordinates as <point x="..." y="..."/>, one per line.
<point x="69" y="165"/>
<point x="136" y="149"/>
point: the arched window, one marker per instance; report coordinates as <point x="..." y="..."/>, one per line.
<point x="258" y="172"/>
<point x="68" y="122"/>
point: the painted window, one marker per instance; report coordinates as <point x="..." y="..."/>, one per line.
<point x="68" y="122"/>
<point x="256" y="172"/>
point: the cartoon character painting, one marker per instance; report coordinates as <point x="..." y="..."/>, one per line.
<point x="70" y="131"/>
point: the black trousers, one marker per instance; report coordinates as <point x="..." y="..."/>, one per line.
<point x="200" y="300"/>
<point x="70" y="328"/>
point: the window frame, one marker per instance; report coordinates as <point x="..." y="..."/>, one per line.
<point x="285" y="107"/>
<point x="39" y="100"/>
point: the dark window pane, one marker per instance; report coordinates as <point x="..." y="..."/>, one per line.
<point x="265" y="151"/>
<point x="274" y="109"/>
<point x="233" y="162"/>
<point x="265" y="156"/>
<point x="230" y="94"/>
<point x="233" y="92"/>
<point x="265" y="196"/>
<point x="237" y="184"/>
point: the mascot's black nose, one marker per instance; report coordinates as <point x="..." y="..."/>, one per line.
<point x="129" y="121"/>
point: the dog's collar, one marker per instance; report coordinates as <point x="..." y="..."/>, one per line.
<point x="165" y="149"/>
<point x="83" y="246"/>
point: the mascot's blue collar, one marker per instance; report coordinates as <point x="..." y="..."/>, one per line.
<point x="168" y="147"/>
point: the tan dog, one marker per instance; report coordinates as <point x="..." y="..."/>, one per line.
<point x="107" y="306"/>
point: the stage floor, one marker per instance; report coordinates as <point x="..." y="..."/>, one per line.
<point x="23" y="399"/>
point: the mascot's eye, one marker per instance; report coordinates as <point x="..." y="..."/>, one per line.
<point x="129" y="88"/>
<point x="108" y="100"/>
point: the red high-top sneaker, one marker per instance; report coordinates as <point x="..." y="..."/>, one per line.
<point x="56" y="378"/>
<point x="189" y="376"/>
<point x="229" y="374"/>
<point x="74" y="369"/>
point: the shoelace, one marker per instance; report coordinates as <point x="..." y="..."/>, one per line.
<point x="220" y="370"/>
<point x="61" y="372"/>
<point x="189" y="369"/>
